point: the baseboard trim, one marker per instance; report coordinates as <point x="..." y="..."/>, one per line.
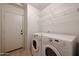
<point x="14" y="50"/>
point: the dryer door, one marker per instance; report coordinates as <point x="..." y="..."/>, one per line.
<point x="50" y="50"/>
<point x="35" y="45"/>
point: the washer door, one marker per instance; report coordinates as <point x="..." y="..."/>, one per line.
<point x="51" y="51"/>
<point x="35" y="45"/>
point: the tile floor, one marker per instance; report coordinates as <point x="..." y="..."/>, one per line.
<point x="19" y="52"/>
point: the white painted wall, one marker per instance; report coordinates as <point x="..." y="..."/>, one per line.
<point x="61" y="18"/>
<point x="32" y="23"/>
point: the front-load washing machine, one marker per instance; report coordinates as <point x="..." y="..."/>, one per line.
<point x="36" y="44"/>
<point x="58" y="45"/>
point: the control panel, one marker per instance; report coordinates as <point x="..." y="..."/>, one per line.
<point x="56" y="41"/>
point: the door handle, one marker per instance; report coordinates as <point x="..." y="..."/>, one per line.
<point x="21" y="33"/>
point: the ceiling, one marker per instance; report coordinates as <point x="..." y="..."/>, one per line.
<point x="40" y="6"/>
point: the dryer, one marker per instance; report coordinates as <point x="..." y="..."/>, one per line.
<point x="58" y="45"/>
<point x="36" y="44"/>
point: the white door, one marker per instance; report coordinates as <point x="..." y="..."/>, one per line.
<point x="13" y="28"/>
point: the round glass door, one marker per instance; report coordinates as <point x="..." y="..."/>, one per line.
<point x="50" y="52"/>
<point x="34" y="44"/>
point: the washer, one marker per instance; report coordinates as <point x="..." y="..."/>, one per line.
<point x="58" y="45"/>
<point x="36" y="44"/>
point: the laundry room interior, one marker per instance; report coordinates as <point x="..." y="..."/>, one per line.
<point x="39" y="29"/>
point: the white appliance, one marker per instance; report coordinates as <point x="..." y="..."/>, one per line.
<point x="58" y="45"/>
<point x="36" y="44"/>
